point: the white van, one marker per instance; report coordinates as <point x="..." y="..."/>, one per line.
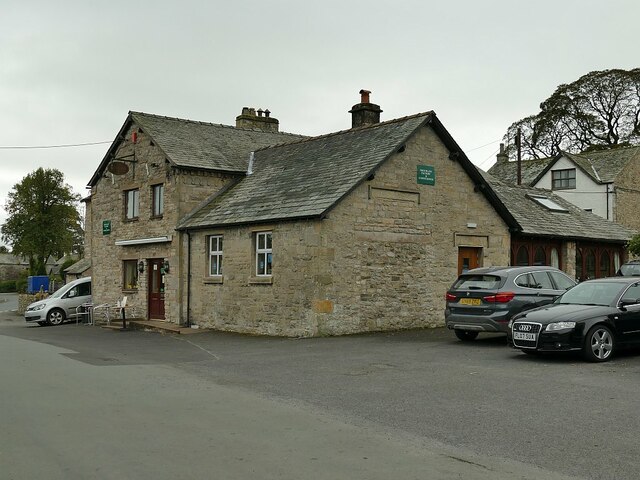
<point x="61" y="305"/>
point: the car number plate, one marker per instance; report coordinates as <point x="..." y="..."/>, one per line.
<point x="531" y="337"/>
<point x="470" y="301"/>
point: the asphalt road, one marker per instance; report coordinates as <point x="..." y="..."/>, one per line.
<point x="82" y="402"/>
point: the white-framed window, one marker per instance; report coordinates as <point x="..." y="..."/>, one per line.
<point x="132" y="204"/>
<point x="264" y="254"/>
<point x="215" y="255"/>
<point x="130" y="275"/>
<point x="157" y="200"/>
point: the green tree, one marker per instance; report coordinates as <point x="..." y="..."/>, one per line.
<point x="600" y="110"/>
<point x="43" y="218"/>
<point x="634" y="245"/>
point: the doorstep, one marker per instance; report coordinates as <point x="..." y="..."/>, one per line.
<point x="153" y="325"/>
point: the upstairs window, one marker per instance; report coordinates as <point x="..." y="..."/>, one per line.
<point x="215" y="255"/>
<point x="264" y="254"/>
<point x="132" y="204"/>
<point x="157" y="200"/>
<point x="563" y="179"/>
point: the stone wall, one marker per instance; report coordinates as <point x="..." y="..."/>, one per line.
<point x="182" y="191"/>
<point x="382" y="259"/>
<point x="627" y="198"/>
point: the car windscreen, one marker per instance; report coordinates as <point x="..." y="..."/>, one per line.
<point x="593" y="293"/>
<point x="630" y="269"/>
<point x="477" y="282"/>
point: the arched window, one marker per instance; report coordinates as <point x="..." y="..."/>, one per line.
<point x="579" y="266"/>
<point x="616" y="261"/>
<point x="555" y="259"/>
<point x="605" y="264"/>
<point x="540" y="258"/>
<point x="522" y="258"/>
<point x="590" y="264"/>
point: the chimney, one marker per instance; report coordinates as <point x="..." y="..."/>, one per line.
<point x="502" y="157"/>
<point x="250" y="120"/>
<point x="364" y="113"/>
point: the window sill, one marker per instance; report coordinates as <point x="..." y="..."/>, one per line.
<point x="155" y="217"/>
<point x="129" y="290"/>
<point x="134" y="219"/>
<point x="215" y="279"/>
<point x="266" y="280"/>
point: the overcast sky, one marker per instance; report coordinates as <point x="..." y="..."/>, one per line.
<point x="71" y="70"/>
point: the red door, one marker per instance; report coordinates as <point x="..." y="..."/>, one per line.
<point x="468" y="258"/>
<point x="156" y="289"/>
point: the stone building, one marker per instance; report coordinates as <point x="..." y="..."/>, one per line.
<point x="250" y="230"/>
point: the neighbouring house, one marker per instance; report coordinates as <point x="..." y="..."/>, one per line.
<point x="11" y="266"/>
<point x="82" y="268"/>
<point x="603" y="182"/>
<point x="549" y="230"/>
<point x="250" y="230"/>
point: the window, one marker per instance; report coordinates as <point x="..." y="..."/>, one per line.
<point x="547" y="203"/>
<point x="540" y="258"/>
<point x="542" y="280"/>
<point x="215" y="255"/>
<point x="157" y="200"/>
<point x="555" y="258"/>
<point x="562" y="281"/>
<point x="590" y="264"/>
<point x="131" y="204"/>
<point x="563" y="179"/>
<point x="522" y="257"/>
<point x="263" y="254"/>
<point x="605" y="264"/>
<point x="130" y="277"/>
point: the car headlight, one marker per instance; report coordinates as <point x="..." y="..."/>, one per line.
<point x="36" y="308"/>
<point x="510" y="324"/>
<point x="553" y="327"/>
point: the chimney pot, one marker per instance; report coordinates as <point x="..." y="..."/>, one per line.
<point x="259" y="112"/>
<point x="267" y="113"/>
<point x="364" y="96"/>
<point x="502" y="157"/>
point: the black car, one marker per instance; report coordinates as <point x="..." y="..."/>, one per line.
<point x="485" y="299"/>
<point x="595" y="317"/>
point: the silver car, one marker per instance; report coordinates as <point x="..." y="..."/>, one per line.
<point x="61" y="305"/>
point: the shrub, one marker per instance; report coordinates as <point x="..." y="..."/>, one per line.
<point x="8" y="286"/>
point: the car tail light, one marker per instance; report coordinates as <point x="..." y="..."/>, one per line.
<point x="502" y="297"/>
<point x="450" y="298"/>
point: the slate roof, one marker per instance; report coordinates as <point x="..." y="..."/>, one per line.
<point x="534" y="219"/>
<point x="306" y="178"/>
<point x="602" y="166"/>
<point x="198" y="145"/>
<point x="79" y="267"/>
<point x="530" y="170"/>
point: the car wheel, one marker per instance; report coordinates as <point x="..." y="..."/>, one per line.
<point x="466" y="335"/>
<point x="599" y="344"/>
<point x="55" y="316"/>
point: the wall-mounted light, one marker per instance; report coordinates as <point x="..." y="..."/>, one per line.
<point x="141" y="266"/>
<point x="165" y="266"/>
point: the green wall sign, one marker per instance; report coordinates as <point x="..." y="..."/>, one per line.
<point x="426" y="175"/>
<point x="106" y="227"/>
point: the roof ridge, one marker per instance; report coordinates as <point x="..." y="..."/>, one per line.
<point x="211" y="124"/>
<point x="347" y="130"/>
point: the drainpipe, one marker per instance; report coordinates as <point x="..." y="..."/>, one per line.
<point x="188" y="279"/>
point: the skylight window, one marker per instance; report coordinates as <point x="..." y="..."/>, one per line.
<point x="547" y="203"/>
